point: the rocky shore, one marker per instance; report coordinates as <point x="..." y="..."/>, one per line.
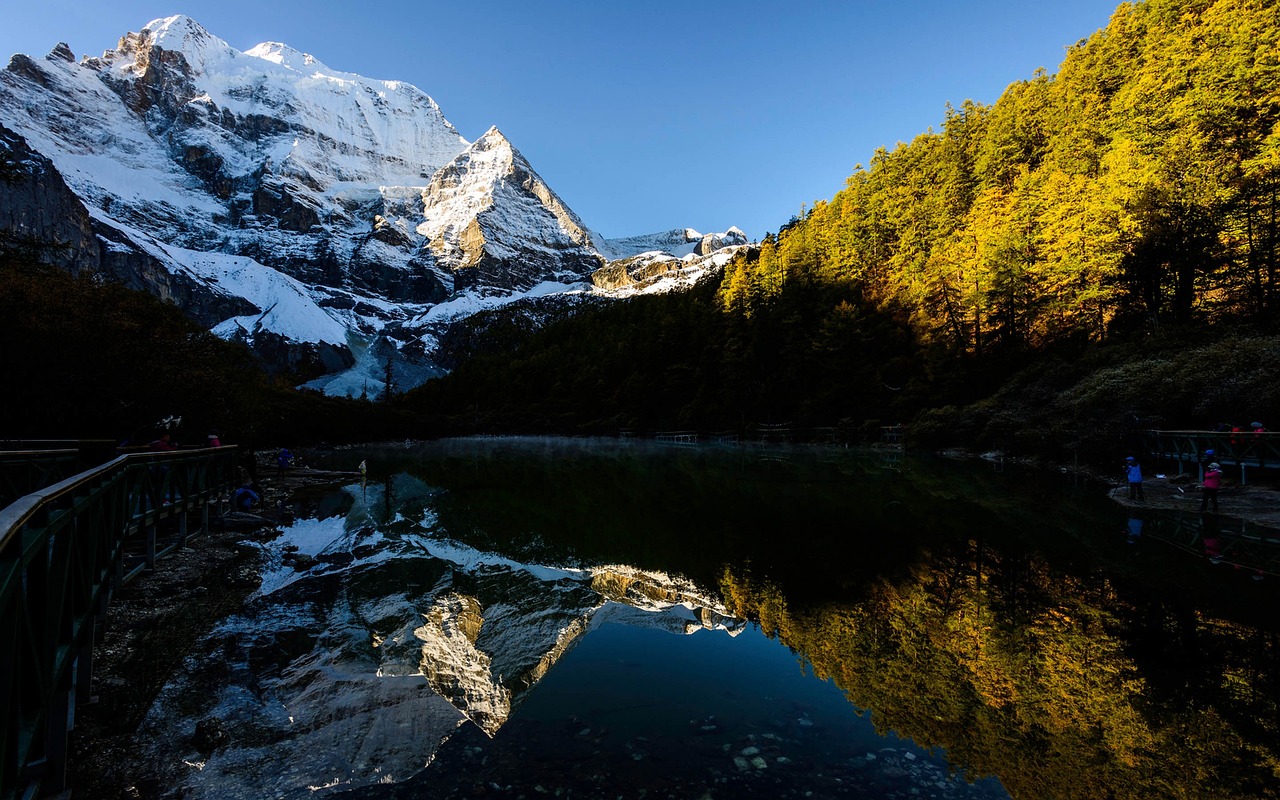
<point x="1255" y="503"/>
<point x="152" y="625"/>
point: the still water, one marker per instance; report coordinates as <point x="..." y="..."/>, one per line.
<point x="619" y="619"/>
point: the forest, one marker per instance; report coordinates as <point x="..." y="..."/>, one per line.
<point x="1122" y="211"/>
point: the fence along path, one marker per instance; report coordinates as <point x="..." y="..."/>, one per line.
<point x="65" y="550"/>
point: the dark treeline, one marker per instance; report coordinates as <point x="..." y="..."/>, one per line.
<point x="677" y="361"/>
<point x="1126" y="208"/>
<point x="84" y="358"/>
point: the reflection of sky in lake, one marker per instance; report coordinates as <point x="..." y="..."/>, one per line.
<point x="739" y="713"/>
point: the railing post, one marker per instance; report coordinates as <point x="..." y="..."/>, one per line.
<point x="149" y="548"/>
<point x="57" y="731"/>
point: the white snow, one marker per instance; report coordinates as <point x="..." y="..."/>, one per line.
<point x="288" y="309"/>
<point x="468" y="303"/>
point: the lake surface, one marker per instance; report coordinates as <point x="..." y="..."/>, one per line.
<point x="589" y="618"/>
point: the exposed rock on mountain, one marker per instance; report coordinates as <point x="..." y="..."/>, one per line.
<point x="661" y="271"/>
<point x="36" y="206"/>
<point x="40" y="214"/>
<point x="718" y="241"/>
<point x="492" y="220"/>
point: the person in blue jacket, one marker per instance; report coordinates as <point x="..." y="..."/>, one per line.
<point x="245" y="498"/>
<point x="1133" y="474"/>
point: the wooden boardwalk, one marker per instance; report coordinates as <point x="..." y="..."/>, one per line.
<point x="1186" y="449"/>
<point x="65" y="547"/>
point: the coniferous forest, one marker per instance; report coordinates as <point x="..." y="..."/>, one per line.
<point x="1093" y="253"/>
<point x="1102" y="242"/>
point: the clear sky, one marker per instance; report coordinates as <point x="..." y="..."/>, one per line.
<point x="646" y="115"/>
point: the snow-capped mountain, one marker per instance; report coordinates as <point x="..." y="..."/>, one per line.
<point x="679" y="243"/>
<point x="317" y="215"/>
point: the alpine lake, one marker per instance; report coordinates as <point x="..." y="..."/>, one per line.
<point x="527" y="617"/>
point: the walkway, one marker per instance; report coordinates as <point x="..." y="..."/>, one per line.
<point x="64" y="549"/>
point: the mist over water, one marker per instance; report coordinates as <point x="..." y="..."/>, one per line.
<point x="508" y="617"/>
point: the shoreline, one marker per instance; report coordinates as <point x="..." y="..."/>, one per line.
<point x="154" y="622"/>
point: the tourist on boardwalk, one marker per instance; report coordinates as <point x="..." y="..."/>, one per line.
<point x="1209" y="488"/>
<point x="212" y="440"/>
<point x="163" y="443"/>
<point x="1133" y="474"/>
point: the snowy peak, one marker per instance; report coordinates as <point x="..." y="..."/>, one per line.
<point x="679" y="243"/>
<point x="489" y="217"/>
<point x="176" y="34"/>
<point x="287" y="57"/>
<point x="327" y="219"/>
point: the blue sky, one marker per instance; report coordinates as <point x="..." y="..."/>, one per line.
<point x="651" y="114"/>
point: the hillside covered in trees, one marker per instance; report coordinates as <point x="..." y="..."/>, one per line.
<point x="1135" y="189"/>
<point x="1126" y="207"/>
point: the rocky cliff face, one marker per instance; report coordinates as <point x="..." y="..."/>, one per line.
<point x="43" y="218"/>
<point x="36" y="207"/>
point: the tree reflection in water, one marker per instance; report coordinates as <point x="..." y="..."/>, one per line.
<point x="1022" y="624"/>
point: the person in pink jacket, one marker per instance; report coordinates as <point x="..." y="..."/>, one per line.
<point x="1210" y="486"/>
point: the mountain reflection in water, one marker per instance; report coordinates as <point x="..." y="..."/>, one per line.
<point x="463" y="626"/>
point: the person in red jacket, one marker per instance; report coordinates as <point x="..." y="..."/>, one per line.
<point x="163" y="444"/>
<point x="1209" y="488"/>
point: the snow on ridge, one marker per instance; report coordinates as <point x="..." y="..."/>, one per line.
<point x="466" y="304"/>
<point x="286" y="306"/>
<point x="492" y="187"/>
<point x="288" y="57"/>
<point x="390" y="129"/>
<point x="678" y="242"/>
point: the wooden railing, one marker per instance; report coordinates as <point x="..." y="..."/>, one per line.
<point x="1243" y="448"/>
<point x="30" y="464"/>
<point x="64" y="550"/>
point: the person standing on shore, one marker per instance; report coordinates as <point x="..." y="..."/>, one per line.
<point x="1133" y="473"/>
<point x="1209" y="488"/>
